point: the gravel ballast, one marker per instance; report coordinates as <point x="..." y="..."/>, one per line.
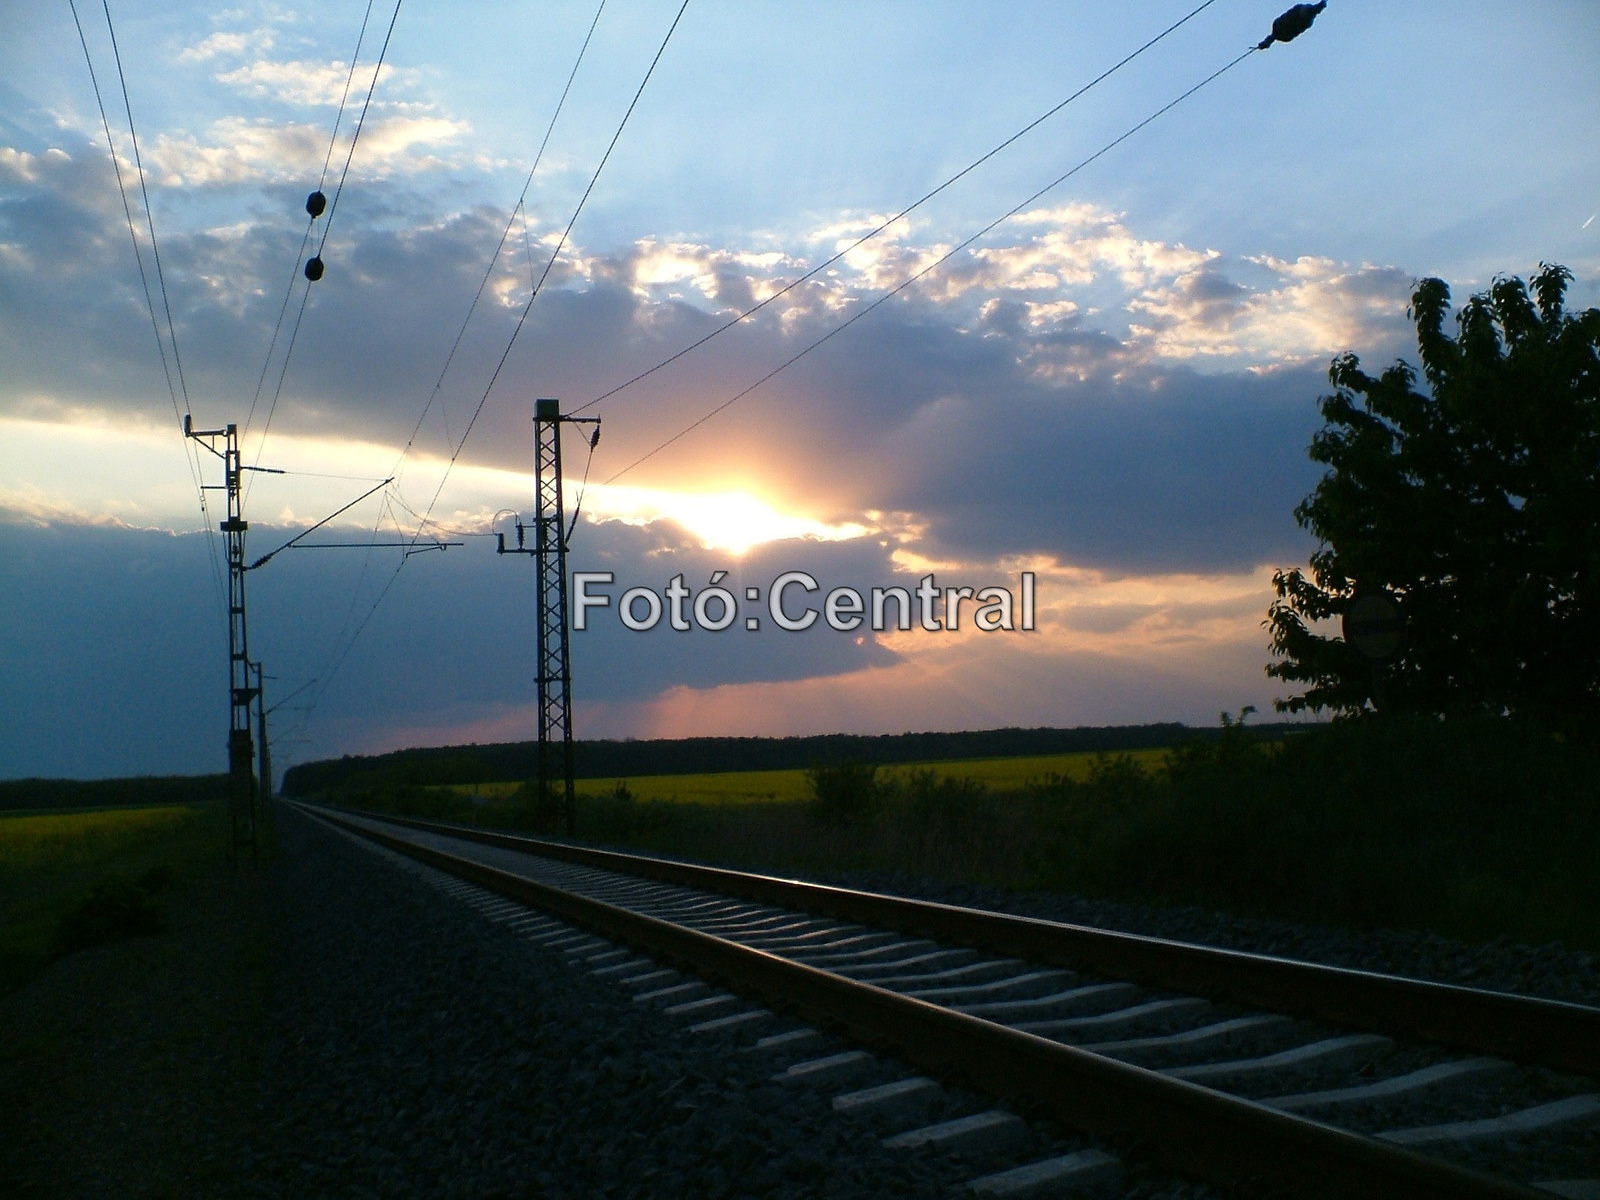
<point x="382" y="1039"/>
<point x="446" y="1057"/>
<point x="1552" y="971"/>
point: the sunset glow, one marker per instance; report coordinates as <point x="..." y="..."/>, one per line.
<point x="1114" y="386"/>
<point x="731" y="521"/>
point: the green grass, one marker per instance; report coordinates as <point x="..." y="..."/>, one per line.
<point x="51" y="864"/>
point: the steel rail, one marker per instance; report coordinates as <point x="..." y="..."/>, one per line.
<point x="1210" y="1134"/>
<point x="1526" y="1029"/>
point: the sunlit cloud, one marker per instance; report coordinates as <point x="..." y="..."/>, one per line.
<point x="228" y="43"/>
<point x="1076" y="269"/>
<point x="137" y="475"/>
<point x="1057" y="676"/>
<point x="259" y="150"/>
<point x="323" y="83"/>
<point x="731" y="521"/>
<point x="1064" y="674"/>
<point x="1317" y="308"/>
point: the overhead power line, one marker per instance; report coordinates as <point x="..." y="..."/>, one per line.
<point x="500" y="245"/>
<point x="180" y="411"/>
<point x="355" y="138"/>
<point x="149" y="215"/>
<point x="295" y="274"/>
<point x="127" y="210"/>
<point x="312" y="275"/>
<point x="902" y="214"/>
<point x="426" y="518"/>
<point x="393" y="496"/>
<point x="554" y="255"/>
<point x="940" y="261"/>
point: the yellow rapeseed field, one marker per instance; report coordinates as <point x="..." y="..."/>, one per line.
<point x="762" y="787"/>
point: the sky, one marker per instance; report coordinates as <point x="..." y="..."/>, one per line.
<point x="1111" y="389"/>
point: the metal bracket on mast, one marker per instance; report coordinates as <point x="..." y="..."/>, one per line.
<point x="242" y="781"/>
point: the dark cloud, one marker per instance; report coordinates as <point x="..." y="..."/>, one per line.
<point x="1212" y="299"/>
<point x="114" y="655"/>
<point x="113" y="658"/>
<point x="1190" y="473"/>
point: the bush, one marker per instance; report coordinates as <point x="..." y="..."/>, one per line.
<point x="1475" y="826"/>
<point x="542" y="811"/>
<point x="1234" y="750"/>
<point x="844" y="793"/>
<point x="122" y="906"/>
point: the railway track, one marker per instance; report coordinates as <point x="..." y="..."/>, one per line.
<point x="1250" y="1072"/>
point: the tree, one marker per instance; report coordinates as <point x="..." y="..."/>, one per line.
<point x="1475" y="505"/>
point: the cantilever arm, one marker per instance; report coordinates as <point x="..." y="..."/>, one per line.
<point x="313" y="528"/>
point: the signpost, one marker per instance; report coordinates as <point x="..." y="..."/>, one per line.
<point x="1373" y="625"/>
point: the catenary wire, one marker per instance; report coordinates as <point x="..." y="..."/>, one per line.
<point x="396" y="498"/>
<point x="393" y="495"/>
<point x="385" y="508"/>
<point x="499" y="246"/>
<point x="355" y="138"/>
<point x="127" y="210"/>
<point x="305" y="238"/>
<point x="327" y="228"/>
<point x="554" y="255"/>
<point x="472" y="308"/>
<point x="144" y="281"/>
<point x="583" y="484"/>
<point x="901" y="215"/>
<point x="149" y="216"/>
<point x="305" y="296"/>
<point x="842" y="326"/>
<point x="344" y="651"/>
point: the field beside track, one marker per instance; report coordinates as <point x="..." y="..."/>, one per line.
<point x="761" y="787"/>
<point x="1477" y="828"/>
<point x="50" y="861"/>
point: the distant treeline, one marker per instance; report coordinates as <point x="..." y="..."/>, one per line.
<point x="106" y="793"/>
<point x="690" y="756"/>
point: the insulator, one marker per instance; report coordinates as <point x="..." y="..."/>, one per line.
<point x="1293" y="23"/>
<point x="594" y="438"/>
<point x="315" y="204"/>
<point x="314" y="268"/>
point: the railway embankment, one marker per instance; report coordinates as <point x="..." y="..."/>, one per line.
<point x="1474" y="832"/>
<point x="329" y="1027"/>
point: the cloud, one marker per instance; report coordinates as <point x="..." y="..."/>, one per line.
<point x="1313" y="308"/>
<point x="445" y="657"/>
<point x="1153" y="418"/>
<point x="1077" y="243"/>
<point x="732" y="521"/>
<point x="21" y="167"/>
<point x="227" y="44"/>
<point x="241" y="150"/>
<point x="321" y="83"/>
<point x="31" y="507"/>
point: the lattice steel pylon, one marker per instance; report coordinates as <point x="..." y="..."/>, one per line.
<point x="224" y="443"/>
<point x="554" y="664"/>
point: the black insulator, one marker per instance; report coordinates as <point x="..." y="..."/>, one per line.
<point x="1293" y="23"/>
<point x="315" y="204"/>
<point x="314" y="268"/>
<point x="594" y="438"/>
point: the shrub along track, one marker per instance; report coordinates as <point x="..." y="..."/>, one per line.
<point x="980" y="998"/>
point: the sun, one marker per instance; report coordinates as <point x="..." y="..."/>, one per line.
<point x="734" y="522"/>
